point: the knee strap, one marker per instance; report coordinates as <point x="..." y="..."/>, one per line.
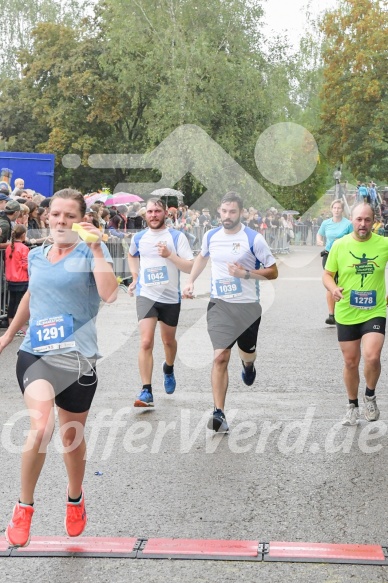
<point x="247" y="356"/>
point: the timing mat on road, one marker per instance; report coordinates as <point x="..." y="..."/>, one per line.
<point x="199" y="549"/>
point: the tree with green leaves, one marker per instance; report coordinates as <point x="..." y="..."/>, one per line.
<point x="191" y="62"/>
<point x="123" y="85"/>
<point x="296" y="79"/>
<point x="62" y="103"/>
<point x="355" y="89"/>
<point x="19" y="18"/>
<point x="115" y="85"/>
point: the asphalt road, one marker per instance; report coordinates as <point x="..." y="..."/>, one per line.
<point x="288" y="471"/>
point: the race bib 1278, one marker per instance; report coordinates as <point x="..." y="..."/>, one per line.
<point x="365" y="300"/>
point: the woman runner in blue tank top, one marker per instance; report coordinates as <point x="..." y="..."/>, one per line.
<point x="57" y="360"/>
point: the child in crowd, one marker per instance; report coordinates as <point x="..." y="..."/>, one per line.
<point x="16" y="271"/>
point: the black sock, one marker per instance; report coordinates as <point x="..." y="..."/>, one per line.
<point x="248" y="365"/>
<point x="167" y="369"/>
<point x="147" y="388"/>
<point x="369" y="392"/>
<point x="354" y="402"/>
<point x="75" y="500"/>
<point x="25" y="504"/>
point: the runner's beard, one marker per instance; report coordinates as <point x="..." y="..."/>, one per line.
<point x="155" y="226"/>
<point x="364" y="234"/>
<point x="231" y="224"/>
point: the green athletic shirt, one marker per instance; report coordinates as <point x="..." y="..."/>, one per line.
<point x="361" y="272"/>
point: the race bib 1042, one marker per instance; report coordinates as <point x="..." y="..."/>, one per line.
<point x="156" y="275"/>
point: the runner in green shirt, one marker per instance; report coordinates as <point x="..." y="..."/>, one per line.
<point x="359" y="259"/>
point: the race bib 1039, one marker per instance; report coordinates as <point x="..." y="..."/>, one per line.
<point x="229" y="287"/>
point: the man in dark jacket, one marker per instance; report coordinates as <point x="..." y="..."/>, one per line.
<point x="4" y="198"/>
<point x="10" y="213"/>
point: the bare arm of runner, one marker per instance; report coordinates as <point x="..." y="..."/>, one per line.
<point x="198" y="266"/>
<point x="134" y="264"/>
<point x="21" y="317"/>
<point x="331" y="286"/>
<point x="238" y="270"/>
<point x="104" y="276"/>
<point x="184" y="265"/>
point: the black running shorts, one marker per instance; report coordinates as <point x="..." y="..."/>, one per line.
<point x="228" y="323"/>
<point x="167" y="313"/>
<point x="72" y="393"/>
<point x="324" y="261"/>
<point x="356" y="331"/>
<point x="324" y="255"/>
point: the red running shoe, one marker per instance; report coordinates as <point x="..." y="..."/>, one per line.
<point x="17" y="532"/>
<point x="75" y="519"/>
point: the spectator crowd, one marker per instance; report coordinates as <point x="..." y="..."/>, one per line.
<point x="24" y="225"/>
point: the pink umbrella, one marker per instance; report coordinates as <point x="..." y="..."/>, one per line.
<point x="122" y="198"/>
<point x="92" y="199"/>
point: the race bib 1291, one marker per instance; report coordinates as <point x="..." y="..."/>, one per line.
<point x="52" y="333"/>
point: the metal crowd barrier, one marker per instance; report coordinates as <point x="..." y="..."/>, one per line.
<point x="198" y="233"/>
<point x="305" y="235"/>
<point x="118" y="248"/>
<point x="308" y="235"/>
<point x="279" y="240"/>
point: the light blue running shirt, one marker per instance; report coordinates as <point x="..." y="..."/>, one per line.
<point x="333" y="231"/>
<point x="62" y="288"/>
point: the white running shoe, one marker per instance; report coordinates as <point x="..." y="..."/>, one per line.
<point x="352" y="415"/>
<point x="371" y="410"/>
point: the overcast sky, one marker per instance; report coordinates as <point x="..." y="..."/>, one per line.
<point x="289" y="15"/>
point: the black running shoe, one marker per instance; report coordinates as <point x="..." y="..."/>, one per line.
<point x="217" y="422"/>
